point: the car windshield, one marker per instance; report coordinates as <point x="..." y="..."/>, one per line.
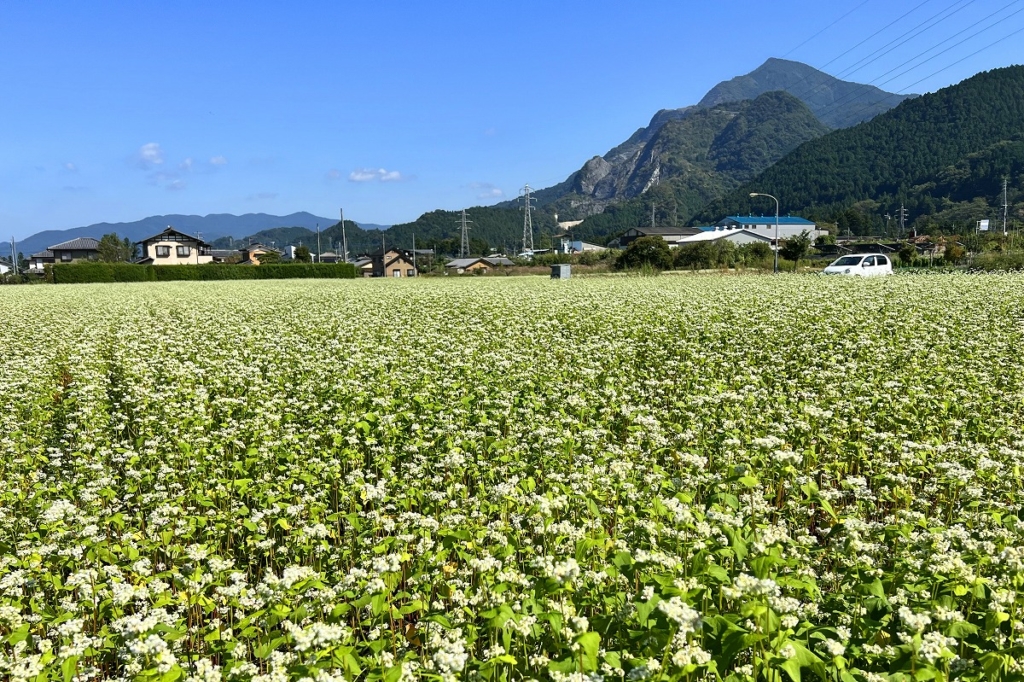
<point x="848" y="260"/>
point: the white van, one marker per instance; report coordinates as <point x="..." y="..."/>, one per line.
<point x="860" y="265"/>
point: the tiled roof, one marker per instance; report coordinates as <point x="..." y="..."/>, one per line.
<point x="170" y="231"/>
<point x="42" y="254"/>
<point x="79" y="244"/>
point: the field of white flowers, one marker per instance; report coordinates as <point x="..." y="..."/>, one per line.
<point x="680" y="478"/>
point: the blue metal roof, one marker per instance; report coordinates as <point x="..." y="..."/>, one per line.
<point x="768" y="220"/>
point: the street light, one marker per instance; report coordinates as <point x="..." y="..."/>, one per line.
<point x="759" y="194"/>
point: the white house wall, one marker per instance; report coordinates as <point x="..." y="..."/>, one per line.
<point x="173" y="259"/>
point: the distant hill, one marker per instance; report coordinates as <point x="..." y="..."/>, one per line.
<point x="210" y="227"/>
<point x="943" y="154"/>
<point x="617" y="176"/>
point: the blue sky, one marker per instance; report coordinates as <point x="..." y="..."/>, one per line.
<point x="114" y="111"/>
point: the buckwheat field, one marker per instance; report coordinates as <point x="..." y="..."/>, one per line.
<point x="670" y="478"/>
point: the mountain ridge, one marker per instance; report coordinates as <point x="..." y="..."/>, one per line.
<point x="834" y="102"/>
<point x="212" y="226"/>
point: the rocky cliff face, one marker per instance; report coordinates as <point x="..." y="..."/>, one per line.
<point x="700" y="143"/>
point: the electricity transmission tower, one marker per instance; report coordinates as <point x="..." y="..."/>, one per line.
<point x="527" y="200"/>
<point x="464" y="246"/>
<point x="903" y="221"/>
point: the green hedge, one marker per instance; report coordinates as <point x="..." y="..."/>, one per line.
<point x="82" y="273"/>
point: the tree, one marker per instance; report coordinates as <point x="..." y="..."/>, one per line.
<point x="302" y="255"/>
<point x="269" y="257"/>
<point x="796" y="248"/>
<point x="954" y="253"/>
<point x="907" y="254"/>
<point x="652" y="252"/>
<point x="114" y="250"/>
<point x="755" y="253"/>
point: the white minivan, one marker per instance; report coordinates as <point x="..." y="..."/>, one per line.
<point x="861" y="265"/>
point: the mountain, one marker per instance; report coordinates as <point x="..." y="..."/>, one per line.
<point x="836" y="103"/>
<point x="210" y="227"/>
<point x="616" y="176"/>
<point x="943" y="155"/>
<point x="692" y="160"/>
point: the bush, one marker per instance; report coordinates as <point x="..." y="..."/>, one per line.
<point x="993" y="260"/>
<point x="650" y="251"/>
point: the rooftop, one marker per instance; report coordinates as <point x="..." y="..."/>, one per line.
<point x="79" y="244"/>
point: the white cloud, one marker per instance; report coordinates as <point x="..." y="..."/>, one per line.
<point x="378" y="174"/>
<point x="218" y="161"/>
<point x="485" y="190"/>
<point x="149" y="155"/>
<point x="187" y="164"/>
<point x="176" y="185"/>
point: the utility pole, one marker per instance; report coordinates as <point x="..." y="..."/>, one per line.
<point x="524" y="196"/>
<point x="344" y="239"/>
<point x="903" y="220"/>
<point x="14" y="255"/>
<point x="464" y="244"/>
<point x="318" y="242"/>
<point x="1004" y="207"/>
<point x="653" y="206"/>
<point x="414" y="253"/>
<point x="887" y="219"/>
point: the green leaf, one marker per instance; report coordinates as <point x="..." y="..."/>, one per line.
<point x="590" y="643"/>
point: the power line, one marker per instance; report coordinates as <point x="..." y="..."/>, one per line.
<point x="825" y="29"/>
<point x="874" y="83"/>
<point x="905" y="38"/>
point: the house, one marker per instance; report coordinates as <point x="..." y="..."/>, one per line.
<point x="37" y="261"/>
<point x="389" y="263"/>
<point x="364" y="265"/>
<point x="5" y="267"/>
<point x="251" y="254"/>
<point x="789" y="226"/>
<point x="82" y="248"/>
<point x="669" y="234"/>
<point x="480" y="264"/>
<point x="173" y="247"/>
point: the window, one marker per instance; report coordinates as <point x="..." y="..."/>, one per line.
<point x="396" y="273"/>
<point x="65" y="256"/>
<point x="163" y="251"/>
<point x="881" y="260"/>
<point x="184" y="251"/>
<point x="410" y="273"/>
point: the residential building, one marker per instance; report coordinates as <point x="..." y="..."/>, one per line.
<point x="37" y="261"/>
<point x="173" y="247"/>
<point x="251" y="254"/>
<point x="82" y="248"/>
<point x="479" y="264"/>
<point x="389" y="263"/>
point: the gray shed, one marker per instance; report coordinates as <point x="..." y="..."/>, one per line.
<point x="561" y="271"/>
